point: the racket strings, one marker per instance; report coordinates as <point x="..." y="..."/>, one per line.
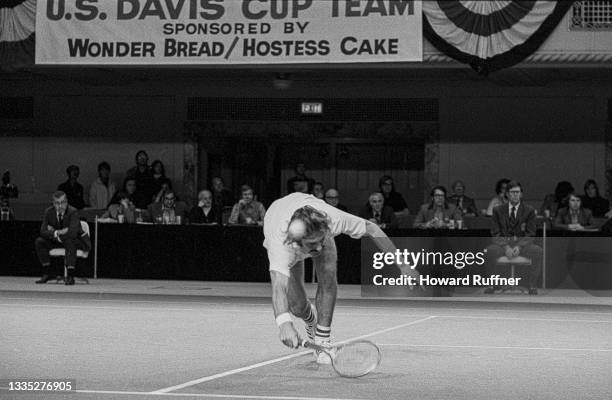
<point x="356" y="359"/>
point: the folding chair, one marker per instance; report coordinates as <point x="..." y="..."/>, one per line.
<point x="60" y="252"/>
<point x="513" y="262"/>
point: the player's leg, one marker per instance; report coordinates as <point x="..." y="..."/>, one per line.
<point x="298" y="301"/>
<point x="326" y="268"/>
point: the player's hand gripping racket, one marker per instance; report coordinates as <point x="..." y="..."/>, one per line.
<point x="351" y="360"/>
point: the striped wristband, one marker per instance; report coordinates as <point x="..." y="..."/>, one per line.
<point x="282" y="318"/>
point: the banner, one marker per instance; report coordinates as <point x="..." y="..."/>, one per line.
<point x="227" y="32"/>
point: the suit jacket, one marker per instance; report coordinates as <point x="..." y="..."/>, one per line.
<point x="564" y="218"/>
<point x="196" y="216"/>
<point x="155" y="210"/>
<point x="514" y="233"/>
<point x="70" y="220"/>
<point x="387" y="216"/>
<point x="468" y="205"/>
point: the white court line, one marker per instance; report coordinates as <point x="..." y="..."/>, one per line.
<point x="275" y="360"/>
<point x="492" y="347"/>
<point x="208" y="395"/>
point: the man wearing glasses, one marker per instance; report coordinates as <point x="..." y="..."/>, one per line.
<point x="513" y="228"/>
<point x="299" y="226"/>
<point x="332" y="197"/>
<point x="60" y="228"/>
<point x="169" y="210"/>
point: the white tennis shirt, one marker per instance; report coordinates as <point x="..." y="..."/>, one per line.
<point x="276" y="223"/>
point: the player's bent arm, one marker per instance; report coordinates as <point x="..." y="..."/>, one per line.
<point x="385" y="244"/>
<point x="287" y="333"/>
<point x="280" y="285"/>
<point x="379" y="237"/>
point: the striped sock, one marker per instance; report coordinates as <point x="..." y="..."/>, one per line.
<point x="323" y="332"/>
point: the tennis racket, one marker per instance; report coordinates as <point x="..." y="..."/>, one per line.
<point x="351" y="360"/>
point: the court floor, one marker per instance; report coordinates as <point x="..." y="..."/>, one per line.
<point x="156" y="347"/>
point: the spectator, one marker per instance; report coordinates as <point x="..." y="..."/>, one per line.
<point x="161" y="182"/>
<point x="60" y="228"/>
<point x="574" y="217"/>
<point x="392" y="198"/>
<point x="593" y="201"/>
<point x="501" y="196"/>
<point x="513" y="227"/>
<point x="123" y="206"/>
<point x="332" y="197"/>
<point x="8" y="190"/>
<point x="102" y="189"/>
<point x="72" y="188"/>
<point x="169" y="211"/>
<point x="318" y="191"/>
<point x="437" y="214"/>
<point x="558" y="200"/>
<point x="377" y="212"/>
<point x="129" y="188"/>
<point x="466" y="205"/>
<point x="247" y="211"/>
<point x="221" y="196"/>
<point x="143" y="176"/>
<point x="204" y="212"/>
<point x="300" y="182"/>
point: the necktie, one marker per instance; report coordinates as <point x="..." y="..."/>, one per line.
<point x="377" y="216"/>
<point x="60" y="219"/>
<point x="513" y="213"/>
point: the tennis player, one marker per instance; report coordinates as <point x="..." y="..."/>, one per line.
<point x="299" y="226"/>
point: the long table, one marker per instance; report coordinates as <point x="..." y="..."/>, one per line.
<point x="235" y="253"/>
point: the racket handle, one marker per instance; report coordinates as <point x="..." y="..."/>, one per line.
<point x="309" y="345"/>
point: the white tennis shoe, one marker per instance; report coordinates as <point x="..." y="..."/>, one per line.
<point x="322" y="357"/>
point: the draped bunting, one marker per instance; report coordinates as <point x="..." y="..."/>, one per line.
<point x="17" y="23"/>
<point x="490" y="35"/>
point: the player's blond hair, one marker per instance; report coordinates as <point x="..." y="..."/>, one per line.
<point x="315" y="221"/>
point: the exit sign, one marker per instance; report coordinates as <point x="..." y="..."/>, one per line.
<point x="312" y="108"/>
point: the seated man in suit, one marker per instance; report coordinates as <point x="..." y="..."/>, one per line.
<point x="204" y="212"/>
<point x="60" y="228"/>
<point x="513" y="228"/>
<point x="466" y="205"/>
<point x="169" y="210"/>
<point x="377" y="212"/>
<point x="332" y="197"/>
<point x="438" y="213"/>
<point x="574" y="217"/>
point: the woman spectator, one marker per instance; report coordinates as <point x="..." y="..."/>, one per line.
<point x="501" y="195"/>
<point x="437" y="214"/>
<point x="593" y="201"/>
<point x="558" y="200"/>
<point x="160" y="182"/>
<point x="574" y="217"/>
<point x="129" y="188"/>
<point x="247" y="211"/>
<point x="393" y="199"/>
<point x="123" y="206"/>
